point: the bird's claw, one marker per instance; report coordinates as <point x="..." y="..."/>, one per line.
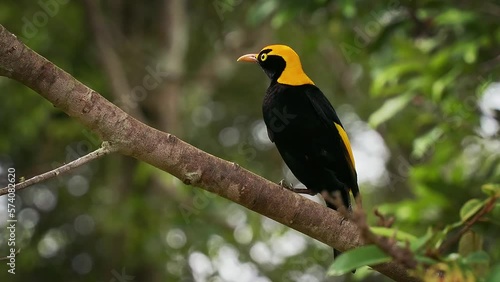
<point x="285" y="184"/>
<point x="343" y="219"/>
<point x="289" y="186"/>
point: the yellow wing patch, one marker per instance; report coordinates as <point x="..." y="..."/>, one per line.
<point x="347" y="144"/>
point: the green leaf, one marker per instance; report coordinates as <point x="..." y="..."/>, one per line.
<point x="440" y="59"/>
<point x="390" y="108"/>
<point x="440" y="84"/>
<point x="425" y="259"/>
<point x="423" y="143"/>
<point x="261" y="11"/>
<point x="454" y="17"/>
<point x="390" y="232"/>
<point x="491" y="189"/>
<point x="388" y="77"/>
<point x="282" y="18"/>
<point x="470" y="208"/>
<point x="494" y="275"/>
<point x="442" y="234"/>
<point x="348" y="9"/>
<point x="477" y="257"/>
<point x="470" y="55"/>
<point x="469" y="243"/>
<point x="422" y="241"/>
<point x="494" y="215"/>
<point x="355" y="258"/>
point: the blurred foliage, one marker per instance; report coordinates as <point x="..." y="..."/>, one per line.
<point x="431" y="251"/>
<point x="419" y="73"/>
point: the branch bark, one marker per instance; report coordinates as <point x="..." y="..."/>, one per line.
<point x="167" y="152"/>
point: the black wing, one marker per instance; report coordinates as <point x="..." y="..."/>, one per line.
<point x="330" y="119"/>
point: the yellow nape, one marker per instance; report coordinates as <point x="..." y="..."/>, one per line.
<point x="293" y="73"/>
<point x="347" y="144"/>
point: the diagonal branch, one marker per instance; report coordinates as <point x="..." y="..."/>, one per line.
<point x="456" y="237"/>
<point x="167" y="152"/>
<point x="106" y="148"/>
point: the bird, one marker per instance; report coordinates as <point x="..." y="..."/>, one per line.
<point x="305" y="128"/>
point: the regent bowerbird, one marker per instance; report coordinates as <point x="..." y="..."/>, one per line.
<point x="305" y="128"/>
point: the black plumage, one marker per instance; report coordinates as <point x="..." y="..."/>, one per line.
<point x="301" y="122"/>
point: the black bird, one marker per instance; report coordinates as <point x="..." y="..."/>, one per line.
<point x="305" y="128"/>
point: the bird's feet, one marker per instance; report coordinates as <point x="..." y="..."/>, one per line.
<point x="286" y="185"/>
<point x="290" y="187"/>
<point x="343" y="220"/>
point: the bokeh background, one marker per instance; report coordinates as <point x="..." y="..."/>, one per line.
<point x="416" y="84"/>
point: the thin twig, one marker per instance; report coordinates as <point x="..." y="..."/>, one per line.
<point x="453" y="239"/>
<point x="387" y="245"/>
<point x="105" y="149"/>
<point x="383" y="221"/>
<point x="7" y="257"/>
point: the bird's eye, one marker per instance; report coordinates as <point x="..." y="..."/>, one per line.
<point x="263" y="57"/>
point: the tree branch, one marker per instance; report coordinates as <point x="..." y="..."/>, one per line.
<point x="104" y="150"/>
<point x="387" y="245"/>
<point x="456" y="237"/>
<point x="167" y="152"/>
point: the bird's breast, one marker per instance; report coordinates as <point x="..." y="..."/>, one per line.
<point x="288" y="115"/>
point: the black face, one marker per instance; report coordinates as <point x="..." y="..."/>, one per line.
<point x="272" y="65"/>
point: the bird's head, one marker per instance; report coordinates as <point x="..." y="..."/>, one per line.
<point x="280" y="63"/>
